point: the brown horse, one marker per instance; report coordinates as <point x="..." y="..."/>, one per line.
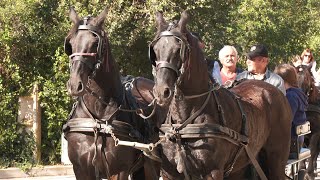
<point x="212" y="132"/>
<point x="306" y="83"/>
<point x="105" y="108"/>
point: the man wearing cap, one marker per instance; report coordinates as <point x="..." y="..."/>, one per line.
<point x="257" y="61"/>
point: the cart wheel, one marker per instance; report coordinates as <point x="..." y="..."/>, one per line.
<point x="303" y="175"/>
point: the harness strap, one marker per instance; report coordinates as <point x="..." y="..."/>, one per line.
<point x="237" y="154"/>
<point x="181" y="165"/>
<point x="204" y="131"/>
<point x="94" y="159"/>
<point x="255" y="163"/>
<point x="119" y="128"/>
<point x="244" y="128"/>
<point x="164" y="64"/>
<point x="194" y="115"/>
<point x="220" y="110"/>
<point x="106" y="164"/>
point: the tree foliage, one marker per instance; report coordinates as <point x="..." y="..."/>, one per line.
<point x="31" y="48"/>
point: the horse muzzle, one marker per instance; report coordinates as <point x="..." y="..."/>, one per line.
<point x="163" y="95"/>
<point x="75" y="88"/>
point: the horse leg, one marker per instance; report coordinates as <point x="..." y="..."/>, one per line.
<point x="166" y="176"/>
<point x="120" y="176"/>
<point x="151" y="169"/>
<point x="273" y="162"/>
<point x="83" y="170"/>
<point x="82" y="167"/>
<point x="246" y="173"/>
<point x="139" y="174"/>
<point x="314" y="148"/>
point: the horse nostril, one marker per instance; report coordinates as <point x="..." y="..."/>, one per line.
<point x="166" y="93"/>
<point x="80" y="87"/>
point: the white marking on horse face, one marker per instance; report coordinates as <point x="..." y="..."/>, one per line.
<point x="167" y="40"/>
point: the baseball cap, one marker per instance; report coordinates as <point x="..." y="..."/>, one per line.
<point x="257" y="50"/>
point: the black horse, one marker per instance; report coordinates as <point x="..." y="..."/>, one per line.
<point x="212" y="132"/>
<point x="105" y="110"/>
<point x="306" y="83"/>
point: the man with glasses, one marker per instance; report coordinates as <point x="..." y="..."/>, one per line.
<point x="257" y="62"/>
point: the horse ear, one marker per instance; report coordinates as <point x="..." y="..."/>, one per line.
<point x="101" y="17"/>
<point x="183" y="21"/>
<point x="160" y="21"/>
<point x="73" y="15"/>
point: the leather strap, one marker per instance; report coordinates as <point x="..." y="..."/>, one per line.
<point x="255" y="164"/>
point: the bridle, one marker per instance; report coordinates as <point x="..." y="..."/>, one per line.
<point x="184" y="50"/>
<point x="86" y="58"/>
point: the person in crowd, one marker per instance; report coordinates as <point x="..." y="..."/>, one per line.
<point x="308" y="60"/>
<point x="296" y="60"/>
<point x="296" y="97"/>
<point x="257" y="62"/>
<point x="307" y="57"/>
<point x="228" y="57"/>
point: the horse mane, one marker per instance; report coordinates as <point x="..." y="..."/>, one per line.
<point x="314" y="94"/>
<point x="197" y="53"/>
<point x="109" y="63"/>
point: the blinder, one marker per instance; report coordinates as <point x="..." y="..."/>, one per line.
<point x="67" y="46"/>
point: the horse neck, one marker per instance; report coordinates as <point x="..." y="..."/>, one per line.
<point x="314" y="96"/>
<point x="195" y="78"/>
<point x="106" y="87"/>
<point x="195" y="81"/>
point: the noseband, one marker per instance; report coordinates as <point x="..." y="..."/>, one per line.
<point x="95" y="64"/>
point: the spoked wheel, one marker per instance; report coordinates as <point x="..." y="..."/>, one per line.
<point x="303" y="175"/>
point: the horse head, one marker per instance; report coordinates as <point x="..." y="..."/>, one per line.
<point x="85" y="45"/>
<point x="306" y="82"/>
<point x="171" y="53"/>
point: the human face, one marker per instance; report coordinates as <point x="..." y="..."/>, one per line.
<point x="229" y="58"/>
<point x="257" y="65"/>
<point x="306" y="58"/>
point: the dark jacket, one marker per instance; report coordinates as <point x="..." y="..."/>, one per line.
<point x="298" y="102"/>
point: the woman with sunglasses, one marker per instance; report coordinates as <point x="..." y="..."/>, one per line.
<point x="308" y="59"/>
